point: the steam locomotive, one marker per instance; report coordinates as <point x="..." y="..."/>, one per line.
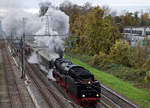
<point x="78" y="82"/>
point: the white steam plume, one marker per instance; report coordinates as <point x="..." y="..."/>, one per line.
<point x="13" y="23"/>
<point x="49" y="73"/>
<point x="34" y="59"/>
<point x="58" y="25"/>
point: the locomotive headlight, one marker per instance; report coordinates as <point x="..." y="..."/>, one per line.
<point x="97" y="95"/>
<point x="83" y="95"/>
<point x="89" y="82"/>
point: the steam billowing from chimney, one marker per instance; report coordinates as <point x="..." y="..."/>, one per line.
<point x="58" y="25"/>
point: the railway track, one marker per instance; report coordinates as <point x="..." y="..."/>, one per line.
<point x="117" y="100"/>
<point x="53" y="100"/>
<point x="13" y="90"/>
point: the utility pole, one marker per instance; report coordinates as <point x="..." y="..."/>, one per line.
<point x="70" y="46"/>
<point x="21" y="55"/>
<point x="23" y="51"/>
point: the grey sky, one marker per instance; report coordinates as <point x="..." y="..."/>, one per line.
<point x="118" y="5"/>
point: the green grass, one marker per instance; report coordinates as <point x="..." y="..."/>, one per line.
<point x="126" y="89"/>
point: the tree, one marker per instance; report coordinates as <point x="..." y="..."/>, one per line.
<point x="74" y="12"/>
<point x="101" y="35"/>
<point x="136" y="18"/>
<point x="96" y="30"/>
<point x="147" y="77"/>
<point x="146" y="65"/>
<point x="138" y="56"/>
<point x="121" y="53"/>
<point x="145" y="19"/>
<point x="100" y="58"/>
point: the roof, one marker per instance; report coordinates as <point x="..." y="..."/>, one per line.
<point x="80" y="72"/>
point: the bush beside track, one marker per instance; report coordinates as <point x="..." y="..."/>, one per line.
<point x="126" y="89"/>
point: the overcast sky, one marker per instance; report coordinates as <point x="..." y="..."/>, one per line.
<point x="118" y="5"/>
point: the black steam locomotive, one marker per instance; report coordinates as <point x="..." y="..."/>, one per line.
<point x="78" y="82"/>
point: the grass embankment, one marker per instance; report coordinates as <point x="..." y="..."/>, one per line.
<point x="139" y="96"/>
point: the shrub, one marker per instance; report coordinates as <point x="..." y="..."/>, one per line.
<point x="146" y="65"/>
<point x="123" y="72"/>
<point x="121" y="53"/>
<point x="138" y="56"/>
<point x="147" y="77"/>
<point x="102" y="58"/>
